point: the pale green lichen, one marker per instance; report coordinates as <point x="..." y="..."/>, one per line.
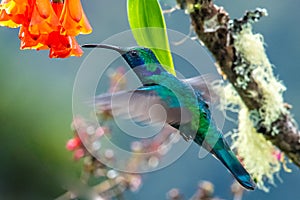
<point x="251" y="46"/>
<point x="229" y="99"/>
<point x="256" y="153"/>
<point x="251" y="49"/>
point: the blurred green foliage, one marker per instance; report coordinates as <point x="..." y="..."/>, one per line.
<point x="35" y="118"/>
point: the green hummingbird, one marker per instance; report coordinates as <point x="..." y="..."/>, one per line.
<point x="184" y="103"/>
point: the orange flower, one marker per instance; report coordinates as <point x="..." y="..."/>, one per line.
<point x="29" y="41"/>
<point x="43" y="19"/>
<point x="42" y="24"/>
<point x="13" y="13"/>
<point x="57" y="7"/>
<point x="73" y="19"/>
<point x="62" y="46"/>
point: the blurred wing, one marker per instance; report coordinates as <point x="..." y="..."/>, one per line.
<point x="144" y="105"/>
<point x="203" y="83"/>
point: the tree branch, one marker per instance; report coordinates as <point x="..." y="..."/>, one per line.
<point x="214" y="28"/>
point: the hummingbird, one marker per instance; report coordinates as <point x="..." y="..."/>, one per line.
<point x="185" y="104"/>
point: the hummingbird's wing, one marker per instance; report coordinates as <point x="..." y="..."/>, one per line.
<point x="204" y="84"/>
<point x="143" y="105"/>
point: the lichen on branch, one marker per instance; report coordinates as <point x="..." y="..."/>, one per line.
<point x="241" y="59"/>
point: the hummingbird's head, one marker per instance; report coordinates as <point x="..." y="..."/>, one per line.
<point x="134" y="56"/>
<point x="138" y="56"/>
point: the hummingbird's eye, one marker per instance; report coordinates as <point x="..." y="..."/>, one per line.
<point x="134" y="53"/>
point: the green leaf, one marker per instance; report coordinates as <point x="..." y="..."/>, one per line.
<point x="149" y="29"/>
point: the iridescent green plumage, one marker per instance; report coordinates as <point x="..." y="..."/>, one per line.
<point x="184" y="105"/>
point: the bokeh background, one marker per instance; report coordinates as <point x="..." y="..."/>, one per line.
<point x="36" y="108"/>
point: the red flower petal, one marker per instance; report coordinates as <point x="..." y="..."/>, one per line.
<point x="57" y="7"/>
<point x="62" y="46"/>
<point x="76" y="49"/>
<point x="73" y="19"/>
<point x="9" y="21"/>
<point x="29" y="41"/>
<point x="43" y="19"/>
<point x="14" y="13"/>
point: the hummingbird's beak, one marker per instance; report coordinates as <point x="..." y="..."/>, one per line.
<point x="105" y="46"/>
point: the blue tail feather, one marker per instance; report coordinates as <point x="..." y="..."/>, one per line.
<point x="228" y="158"/>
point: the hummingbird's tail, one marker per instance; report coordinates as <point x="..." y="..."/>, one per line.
<point x="228" y="158"/>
